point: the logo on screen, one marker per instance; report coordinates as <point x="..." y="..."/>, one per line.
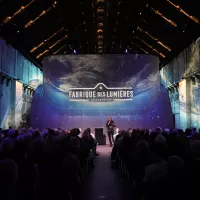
<point x="101" y="93"/>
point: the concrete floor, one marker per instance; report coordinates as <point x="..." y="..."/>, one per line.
<point x="104" y="182"/>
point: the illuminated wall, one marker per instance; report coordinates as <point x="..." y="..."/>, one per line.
<point x="15" y="101"/>
<point x="185" y="99"/>
<point x="149" y="107"/>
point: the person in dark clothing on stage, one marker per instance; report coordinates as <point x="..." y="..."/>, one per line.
<point x="110" y="125"/>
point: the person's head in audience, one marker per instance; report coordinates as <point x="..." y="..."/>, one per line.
<point x="158" y="130"/>
<point x="167" y="131"/>
<point x="89" y="130"/>
<point x="195" y="148"/>
<point x="36" y="134"/>
<point x="129" y="131"/>
<point x="160" y="140"/>
<point x="50" y="140"/>
<point x="86" y="134"/>
<point x="23" y="131"/>
<point x="175" y="132"/>
<point x="16" y="133"/>
<point x="11" y="133"/>
<point x="194" y="129"/>
<point x="181" y="132"/>
<point x="117" y="130"/>
<point x="188" y="132"/>
<point x="160" y="146"/>
<point x="74" y="139"/>
<point x="75" y="132"/>
<point x="142" y="147"/>
<point x="146" y="132"/>
<point x="175" y="167"/>
<point x="37" y="148"/>
<point x="68" y="131"/>
<point x="124" y="133"/>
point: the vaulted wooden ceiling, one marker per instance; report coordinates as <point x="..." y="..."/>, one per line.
<point x="39" y="27"/>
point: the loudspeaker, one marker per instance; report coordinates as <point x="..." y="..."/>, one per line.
<point x="100" y="137"/>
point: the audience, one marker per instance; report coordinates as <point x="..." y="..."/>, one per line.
<point x="159" y="164"/>
<point x="51" y="164"/>
<point x="44" y="164"/>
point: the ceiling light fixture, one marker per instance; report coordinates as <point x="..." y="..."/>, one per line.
<point x="46" y="40"/>
<point x="100" y="15"/>
<point x="165" y="18"/>
<point x="52" y="46"/>
<point x="9" y="18"/>
<point x="141" y="49"/>
<point x="31" y="22"/>
<point x="184" y="12"/>
<point x="151" y="47"/>
<point x="59" y="49"/>
<point x="153" y="38"/>
<point x="58" y="42"/>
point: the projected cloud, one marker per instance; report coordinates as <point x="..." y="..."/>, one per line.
<point x="139" y="72"/>
<point x="87" y="71"/>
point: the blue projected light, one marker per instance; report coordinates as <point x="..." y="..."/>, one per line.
<point x="82" y="89"/>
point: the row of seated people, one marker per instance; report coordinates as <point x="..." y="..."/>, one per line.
<point x="47" y="164"/>
<point x="159" y="164"/>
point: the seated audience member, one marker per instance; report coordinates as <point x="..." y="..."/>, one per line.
<point x="67" y="131"/>
<point x="175" y="181"/>
<point x="71" y="168"/>
<point x="155" y="173"/>
<point x="89" y="142"/>
<point x="8" y="179"/>
<point x="194" y="173"/>
<point x="130" y="131"/>
<point x="140" y="160"/>
<point x="7" y="146"/>
<point x="79" y="148"/>
<point x="94" y="141"/>
<point x="88" y="139"/>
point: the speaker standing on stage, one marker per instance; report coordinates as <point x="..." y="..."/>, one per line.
<point x="110" y="129"/>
